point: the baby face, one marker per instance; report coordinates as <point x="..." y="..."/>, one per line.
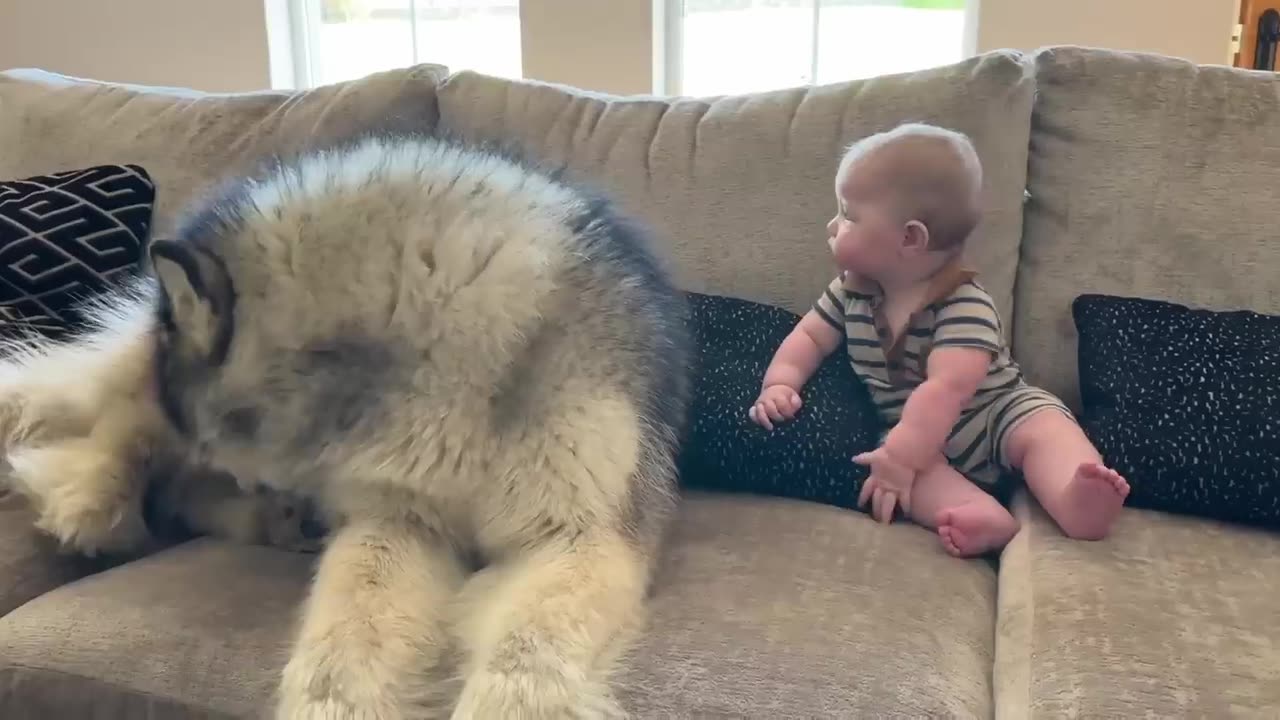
<point x="865" y="235"/>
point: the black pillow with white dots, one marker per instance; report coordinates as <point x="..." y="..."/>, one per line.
<point x="808" y="458"/>
<point x="1185" y="403"/>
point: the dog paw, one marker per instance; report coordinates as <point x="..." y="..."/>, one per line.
<point x="290" y="522"/>
<point x="327" y="708"/>
<point x="532" y="696"/>
<point x="81" y="497"/>
<point x="322" y="682"/>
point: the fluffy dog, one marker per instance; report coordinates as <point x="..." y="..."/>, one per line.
<point x="477" y="371"/>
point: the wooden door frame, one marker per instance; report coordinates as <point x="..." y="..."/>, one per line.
<point x="1250" y="11"/>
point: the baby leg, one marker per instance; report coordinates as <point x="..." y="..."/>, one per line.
<point x="969" y="521"/>
<point x="1065" y="473"/>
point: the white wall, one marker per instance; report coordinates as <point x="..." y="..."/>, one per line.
<point x="602" y="45"/>
<point x="1198" y="30"/>
<point x="213" y="45"/>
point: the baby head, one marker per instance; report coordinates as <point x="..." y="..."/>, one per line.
<point x="908" y="200"/>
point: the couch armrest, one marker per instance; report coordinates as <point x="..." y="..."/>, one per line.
<point x="30" y="564"/>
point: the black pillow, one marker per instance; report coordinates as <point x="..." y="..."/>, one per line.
<point x="67" y="237"/>
<point x="808" y="458"/>
<point x="1185" y="404"/>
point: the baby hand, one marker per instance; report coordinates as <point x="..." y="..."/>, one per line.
<point x="775" y="404"/>
<point x="889" y="484"/>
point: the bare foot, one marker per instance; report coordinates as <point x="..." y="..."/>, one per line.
<point x="1091" y="501"/>
<point x="975" y="528"/>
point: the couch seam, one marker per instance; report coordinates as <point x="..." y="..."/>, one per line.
<point x="1030" y="73"/>
<point x="1022" y="706"/>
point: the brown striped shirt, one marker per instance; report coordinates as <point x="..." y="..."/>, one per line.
<point x="956" y="312"/>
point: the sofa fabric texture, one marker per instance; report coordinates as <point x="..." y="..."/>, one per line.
<point x="1171" y="617"/>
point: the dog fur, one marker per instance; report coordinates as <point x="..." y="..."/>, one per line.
<point x="477" y="371"/>
<point x="82" y="437"/>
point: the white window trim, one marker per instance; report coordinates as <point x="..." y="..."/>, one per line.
<point x="969" y="45"/>
<point x="668" y="46"/>
<point x="288" y="51"/>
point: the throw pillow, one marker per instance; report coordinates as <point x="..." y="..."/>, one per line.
<point x="808" y="458"/>
<point x="1185" y="403"/>
<point x="64" y="238"/>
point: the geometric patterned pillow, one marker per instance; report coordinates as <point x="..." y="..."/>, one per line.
<point x="67" y="237"/>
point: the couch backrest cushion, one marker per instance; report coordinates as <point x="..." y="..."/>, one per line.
<point x="742" y="187"/>
<point x="188" y="141"/>
<point x="1151" y="177"/>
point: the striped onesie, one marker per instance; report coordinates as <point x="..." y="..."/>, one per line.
<point x="956" y="312"/>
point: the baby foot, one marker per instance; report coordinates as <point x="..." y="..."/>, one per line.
<point x="1091" y="501"/>
<point x="975" y="528"/>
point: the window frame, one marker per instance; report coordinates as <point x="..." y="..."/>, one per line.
<point x="293" y="37"/>
<point x="672" y="44"/>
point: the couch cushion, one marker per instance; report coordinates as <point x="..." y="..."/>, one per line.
<point x="189" y="140"/>
<point x="743" y="187"/>
<point x="770" y="608"/>
<point x="1148" y="177"/>
<point x="1170" y="617"/>
<point x="764" y="608"/>
<point x="30" y="563"/>
<point x="199" y="630"/>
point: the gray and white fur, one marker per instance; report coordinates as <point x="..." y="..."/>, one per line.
<point x="476" y="371"/>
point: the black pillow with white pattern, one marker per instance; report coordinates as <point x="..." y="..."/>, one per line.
<point x="1185" y="403"/>
<point x="808" y="458"/>
<point x="65" y="238"/>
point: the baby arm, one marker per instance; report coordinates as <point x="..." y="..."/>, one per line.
<point x="816" y="336"/>
<point x="966" y="338"/>
<point x="952" y="379"/>
<point x="916" y="442"/>
<point x="812" y="340"/>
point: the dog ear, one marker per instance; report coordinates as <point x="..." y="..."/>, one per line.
<point x="198" y="296"/>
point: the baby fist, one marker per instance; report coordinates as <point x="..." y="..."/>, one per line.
<point x="776" y="404"/>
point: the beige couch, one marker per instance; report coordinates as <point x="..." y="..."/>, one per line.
<point x="1106" y="172"/>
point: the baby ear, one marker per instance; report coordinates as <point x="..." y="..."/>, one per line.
<point x="198" y="297"/>
<point x="915" y="236"/>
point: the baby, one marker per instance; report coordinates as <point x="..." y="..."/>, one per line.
<point x="926" y="340"/>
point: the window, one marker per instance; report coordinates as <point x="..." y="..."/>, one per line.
<point x="337" y="40"/>
<point x="694" y="47"/>
<point x="739" y="46"/>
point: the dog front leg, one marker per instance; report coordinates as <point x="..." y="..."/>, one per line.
<point x="78" y="424"/>
<point x="372" y="641"/>
<point x="543" y="629"/>
<point x="87" y="492"/>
